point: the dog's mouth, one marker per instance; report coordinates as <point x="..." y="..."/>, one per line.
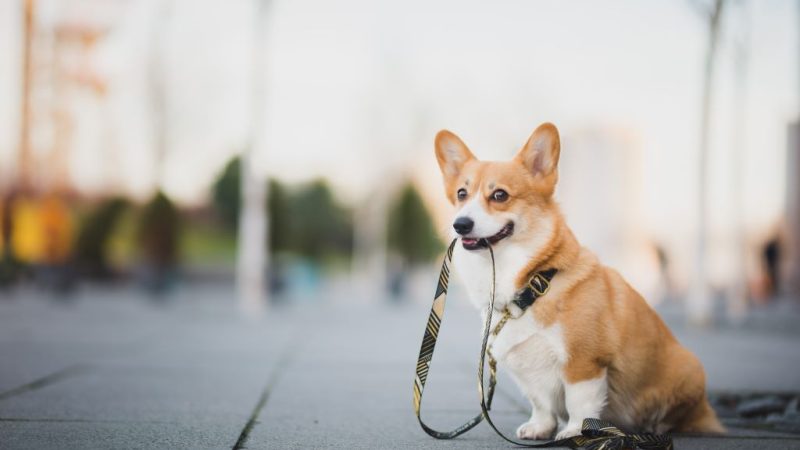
<point x="474" y="243"/>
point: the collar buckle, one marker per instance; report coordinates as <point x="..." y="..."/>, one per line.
<point x="539" y="284"/>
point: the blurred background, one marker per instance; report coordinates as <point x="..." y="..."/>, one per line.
<point x="199" y="197"/>
<point x="288" y="145"/>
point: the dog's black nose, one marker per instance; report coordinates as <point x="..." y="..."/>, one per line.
<point x="463" y="225"/>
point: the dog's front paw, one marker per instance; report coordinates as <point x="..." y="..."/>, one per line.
<point x="535" y="430"/>
<point x="568" y="431"/>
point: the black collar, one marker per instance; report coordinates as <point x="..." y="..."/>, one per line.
<point x="538" y="285"/>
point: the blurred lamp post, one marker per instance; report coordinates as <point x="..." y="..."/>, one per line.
<point x="699" y="301"/>
<point x="369" y="242"/>
<point x="252" y="236"/>
<point x="738" y="297"/>
<point x="252" y="243"/>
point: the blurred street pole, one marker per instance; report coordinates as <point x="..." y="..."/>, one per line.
<point x="25" y="161"/>
<point x="157" y="78"/>
<point x="370" y="253"/>
<point x="737" y="297"/>
<point x="388" y="138"/>
<point x="253" y="221"/>
<point x="699" y="300"/>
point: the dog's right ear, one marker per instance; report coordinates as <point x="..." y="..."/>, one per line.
<point x="451" y="153"/>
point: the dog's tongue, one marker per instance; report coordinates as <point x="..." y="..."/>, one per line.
<point x="469" y="241"/>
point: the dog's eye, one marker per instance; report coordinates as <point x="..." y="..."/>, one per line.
<point x="499" y="195"/>
<point x="461" y="194"/>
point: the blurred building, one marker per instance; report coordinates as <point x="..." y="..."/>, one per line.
<point x="599" y="191"/>
<point x="793" y="208"/>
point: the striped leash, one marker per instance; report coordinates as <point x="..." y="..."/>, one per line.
<point x="595" y="434"/>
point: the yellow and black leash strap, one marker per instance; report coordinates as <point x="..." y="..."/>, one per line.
<point x="595" y="434"/>
<point x="426" y="352"/>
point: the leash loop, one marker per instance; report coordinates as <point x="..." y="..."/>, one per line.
<point x="426" y="352"/>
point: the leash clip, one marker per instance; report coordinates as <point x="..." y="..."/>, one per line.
<point x="539" y="284"/>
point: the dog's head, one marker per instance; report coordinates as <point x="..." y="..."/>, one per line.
<point x="500" y="201"/>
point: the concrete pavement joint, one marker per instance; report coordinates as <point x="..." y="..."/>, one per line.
<point x="252" y="420"/>
<point x="272" y="381"/>
<point x="45" y="381"/>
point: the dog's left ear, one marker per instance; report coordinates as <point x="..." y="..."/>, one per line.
<point x="540" y="154"/>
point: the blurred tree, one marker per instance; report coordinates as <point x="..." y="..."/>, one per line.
<point x="158" y="235"/>
<point x="226" y="193"/>
<point x="278" y="204"/>
<point x="91" y="249"/>
<point x="411" y="234"/>
<point x="305" y="221"/>
<point x="158" y="230"/>
<point x="10" y="266"/>
<point x="319" y="226"/>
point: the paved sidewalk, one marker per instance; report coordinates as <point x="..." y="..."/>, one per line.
<point x="114" y="369"/>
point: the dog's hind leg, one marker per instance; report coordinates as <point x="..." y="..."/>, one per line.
<point x="584" y="399"/>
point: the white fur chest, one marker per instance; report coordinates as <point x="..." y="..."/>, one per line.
<point x="525" y="339"/>
<point x="475" y="271"/>
<point x="532" y="353"/>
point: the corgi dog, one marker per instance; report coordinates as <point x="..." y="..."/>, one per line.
<point x="590" y="347"/>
